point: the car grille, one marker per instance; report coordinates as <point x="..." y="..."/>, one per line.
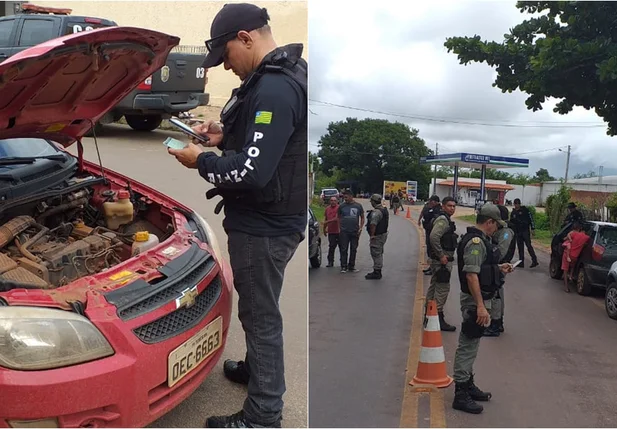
<point x="182" y="319"/>
<point x="168" y="294"/>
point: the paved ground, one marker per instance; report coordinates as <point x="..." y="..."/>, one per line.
<point x="359" y="335"/>
<point x="143" y="157"/>
<point x="553" y="367"/>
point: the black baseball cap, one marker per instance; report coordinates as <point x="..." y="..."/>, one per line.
<point x="571" y="205"/>
<point x="233" y="18"/>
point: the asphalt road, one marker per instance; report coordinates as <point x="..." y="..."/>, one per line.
<point x="359" y="335"/>
<point x="553" y="367"/>
<point x="143" y="157"/>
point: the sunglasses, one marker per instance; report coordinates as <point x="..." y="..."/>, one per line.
<point x="220" y="40"/>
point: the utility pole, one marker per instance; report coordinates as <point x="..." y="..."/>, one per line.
<point x="567" y="163"/>
<point x="435" y="177"/>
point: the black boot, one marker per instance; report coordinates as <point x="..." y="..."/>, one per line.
<point x="477" y="394"/>
<point x="463" y="400"/>
<point x="236" y="371"/>
<point x="375" y="275"/>
<point x="500" y="325"/>
<point x="534" y="264"/>
<point x="445" y="326"/>
<point x="493" y="330"/>
<point x="237" y="420"/>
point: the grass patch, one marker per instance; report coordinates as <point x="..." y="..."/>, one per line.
<point x="467" y="218"/>
<point x="318" y="209"/>
<point x="543" y="236"/>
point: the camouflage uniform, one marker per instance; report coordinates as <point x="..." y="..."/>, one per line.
<point x="440" y="281"/>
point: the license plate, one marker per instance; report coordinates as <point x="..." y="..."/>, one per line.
<point x="187" y="357"/>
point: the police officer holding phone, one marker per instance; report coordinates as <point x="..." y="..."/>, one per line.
<point x="262" y="179"/>
<point x="479" y="272"/>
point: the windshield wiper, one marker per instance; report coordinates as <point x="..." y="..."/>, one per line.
<point x="12" y="160"/>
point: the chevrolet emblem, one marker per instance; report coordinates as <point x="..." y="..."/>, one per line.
<point x="187" y="299"/>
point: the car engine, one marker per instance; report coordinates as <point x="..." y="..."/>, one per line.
<point x="47" y="258"/>
<point x="62" y="240"/>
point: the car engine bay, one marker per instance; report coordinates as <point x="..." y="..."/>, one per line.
<point x="51" y="242"/>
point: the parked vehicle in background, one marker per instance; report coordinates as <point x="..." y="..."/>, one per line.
<point x="610" y="299"/>
<point x="314" y="240"/>
<point x="176" y="87"/>
<point x="596" y="258"/>
<point x="328" y="193"/>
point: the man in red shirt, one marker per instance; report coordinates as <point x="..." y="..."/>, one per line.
<point x="332" y="228"/>
<point x="574" y="243"/>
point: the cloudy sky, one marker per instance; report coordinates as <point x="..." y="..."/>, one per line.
<point x="389" y="56"/>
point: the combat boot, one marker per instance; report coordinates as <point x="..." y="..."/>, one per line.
<point x="375" y="275"/>
<point x="475" y="392"/>
<point x="445" y="326"/>
<point x="463" y="400"/>
<point x="493" y="329"/>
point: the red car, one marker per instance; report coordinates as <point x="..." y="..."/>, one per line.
<point x="115" y="299"/>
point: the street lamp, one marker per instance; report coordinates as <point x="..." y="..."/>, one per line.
<point x="567" y="162"/>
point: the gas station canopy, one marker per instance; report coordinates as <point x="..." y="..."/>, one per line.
<point x="473" y="160"/>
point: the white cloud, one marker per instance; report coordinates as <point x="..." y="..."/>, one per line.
<point x="389" y="56"/>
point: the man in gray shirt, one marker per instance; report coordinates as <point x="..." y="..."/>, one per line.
<point x="351" y="216"/>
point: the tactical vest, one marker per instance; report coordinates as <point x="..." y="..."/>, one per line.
<point x="427" y="221"/>
<point x="286" y="193"/>
<point x="449" y="239"/>
<point x="490" y="275"/>
<point x="382" y="226"/>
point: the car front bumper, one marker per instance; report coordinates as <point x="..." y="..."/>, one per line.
<point x="127" y="389"/>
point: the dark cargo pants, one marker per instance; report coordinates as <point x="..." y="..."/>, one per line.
<point x="258" y="265"/>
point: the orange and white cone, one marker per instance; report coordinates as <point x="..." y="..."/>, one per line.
<point x="432" y="363"/>
<point x="408" y="214"/>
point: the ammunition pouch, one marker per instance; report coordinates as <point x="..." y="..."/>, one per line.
<point x="443" y="275"/>
<point x="469" y="327"/>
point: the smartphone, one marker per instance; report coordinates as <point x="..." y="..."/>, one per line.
<point x="174" y="144"/>
<point x="514" y="265"/>
<point x="187" y="130"/>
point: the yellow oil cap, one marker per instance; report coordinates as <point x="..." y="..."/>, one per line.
<point x="142" y="236"/>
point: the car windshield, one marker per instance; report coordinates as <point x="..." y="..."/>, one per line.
<point x="607" y="237"/>
<point x="330" y="192"/>
<point x="26" y="147"/>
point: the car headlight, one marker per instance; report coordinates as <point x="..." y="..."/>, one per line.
<point x="211" y="237"/>
<point x="33" y="338"/>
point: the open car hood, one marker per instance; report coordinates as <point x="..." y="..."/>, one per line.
<point x="58" y="89"/>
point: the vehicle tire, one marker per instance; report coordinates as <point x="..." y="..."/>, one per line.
<point x="610" y="300"/>
<point x="316" y="260"/>
<point x="555" y="270"/>
<point x="583" y="286"/>
<point x="98" y="128"/>
<point x="143" y="122"/>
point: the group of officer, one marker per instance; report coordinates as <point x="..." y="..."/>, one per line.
<point x="483" y="256"/>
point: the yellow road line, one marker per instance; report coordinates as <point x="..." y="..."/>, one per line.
<point x="438" y="409"/>
<point x="409" y="411"/>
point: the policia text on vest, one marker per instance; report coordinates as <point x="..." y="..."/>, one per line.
<point x="262" y="179"/>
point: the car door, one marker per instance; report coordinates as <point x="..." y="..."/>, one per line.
<point x="33" y="30"/>
<point x="8" y="28"/>
<point x="604" y="253"/>
<point x="313" y="232"/>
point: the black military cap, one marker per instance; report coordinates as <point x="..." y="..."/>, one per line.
<point x="230" y="20"/>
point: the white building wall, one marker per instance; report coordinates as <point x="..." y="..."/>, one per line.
<point x="529" y="195"/>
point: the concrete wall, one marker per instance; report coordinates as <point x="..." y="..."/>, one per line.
<point x="191" y="20"/>
<point x="549" y="189"/>
<point x="529" y="194"/>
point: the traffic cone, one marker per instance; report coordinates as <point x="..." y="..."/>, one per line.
<point x="432" y="362"/>
<point x="408" y="214"/>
